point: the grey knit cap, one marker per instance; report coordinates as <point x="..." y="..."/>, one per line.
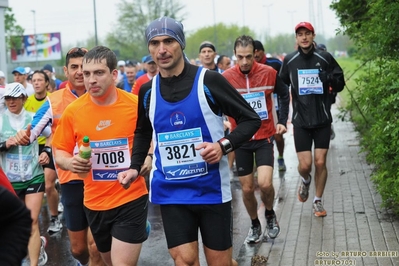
<point x="166" y="26"/>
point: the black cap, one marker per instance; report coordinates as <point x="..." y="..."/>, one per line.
<point x="322" y="47"/>
<point x="258" y="45"/>
<point x="208" y="45"/>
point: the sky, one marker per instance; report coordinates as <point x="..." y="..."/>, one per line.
<point x="74" y="19"/>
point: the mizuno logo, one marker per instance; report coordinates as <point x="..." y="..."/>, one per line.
<point x="101" y="175"/>
<point x="103" y="124"/>
<point x="172" y="173"/>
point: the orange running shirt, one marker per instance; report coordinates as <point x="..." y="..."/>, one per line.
<point x="59" y="100"/>
<point x="111" y="131"/>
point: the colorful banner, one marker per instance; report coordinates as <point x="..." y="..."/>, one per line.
<point x="46" y="47"/>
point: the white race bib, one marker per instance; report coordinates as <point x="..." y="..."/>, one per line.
<point x="309" y="82"/>
<point x="257" y="101"/>
<point x="108" y="158"/>
<point x="18" y="166"/>
<point x="179" y="158"/>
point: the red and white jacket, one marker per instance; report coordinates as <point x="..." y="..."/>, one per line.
<point x="261" y="79"/>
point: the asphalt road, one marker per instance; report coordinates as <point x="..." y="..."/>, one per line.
<point x="154" y="251"/>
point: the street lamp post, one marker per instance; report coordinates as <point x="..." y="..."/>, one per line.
<point x="95" y="23"/>
<point x="214" y="24"/>
<point x="3" y="51"/>
<point x="292" y="16"/>
<point x="35" y="37"/>
<point x="243" y="13"/>
<point x="269" y="27"/>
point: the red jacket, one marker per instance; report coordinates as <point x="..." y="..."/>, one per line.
<point x="261" y="79"/>
<point x="4" y="182"/>
<point x="140" y="81"/>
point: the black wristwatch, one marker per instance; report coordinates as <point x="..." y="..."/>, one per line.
<point x="47" y="150"/>
<point x="225" y="145"/>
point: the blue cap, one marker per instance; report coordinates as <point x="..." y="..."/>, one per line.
<point x="20" y="70"/>
<point x="148" y="59"/>
<point x="48" y="67"/>
<point x="166" y="26"/>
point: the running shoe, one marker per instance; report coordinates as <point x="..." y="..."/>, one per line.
<point x="58" y="186"/>
<point x="60" y="207"/>
<point x="43" y="255"/>
<point x="281" y="164"/>
<point x="273" y="229"/>
<point x="55" y="226"/>
<point x="318" y="209"/>
<point x="303" y="191"/>
<point x="231" y="175"/>
<point x="234" y="167"/>
<point x="25" y="262"/>
<point x="148" y="228"/>
<point x="332" y="134"/>
<point x="254" y="234"/>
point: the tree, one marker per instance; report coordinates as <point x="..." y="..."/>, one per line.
<point x="282" y="43"/>
<point x="134" y="16"/>
<point x="220" y="35"/>
<point x="13" y="31"/>
<point x="340" y="42"/>
<point x="371" y="24"/>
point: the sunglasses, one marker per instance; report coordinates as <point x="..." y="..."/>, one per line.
<point x="75" y="50"/>
<point x="8" y="98"/>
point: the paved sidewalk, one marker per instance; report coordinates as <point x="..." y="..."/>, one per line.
<point x="355" y="226"/>
<point x="356" y="230"/>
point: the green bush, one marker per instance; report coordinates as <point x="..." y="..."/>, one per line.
<point x="378" y="96"/>
<point x="375" y="103"/>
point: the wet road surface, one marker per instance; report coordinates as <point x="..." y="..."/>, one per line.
<point x="154" y="251"/>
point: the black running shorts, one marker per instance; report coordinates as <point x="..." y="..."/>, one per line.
<point x="72" y="199"/>
<point x="261" y="149"/>
<point x="126" y="223"/>
<point x="304" y="138"/>
<point x="181" y="223"/>
<point x="31" y="188"/>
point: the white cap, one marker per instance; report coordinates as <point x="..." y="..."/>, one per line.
<point x="2" y="74"/>
<point x="28" y="70"/>
<point x="15" y="90"/>
<point x="121" y="63"/>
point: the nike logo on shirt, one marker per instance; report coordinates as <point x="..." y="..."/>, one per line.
<point x="103" y="124"/>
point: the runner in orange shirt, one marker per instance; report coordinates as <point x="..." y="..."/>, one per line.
<point x="82" y="244"/>
<point x="117" y="216"/>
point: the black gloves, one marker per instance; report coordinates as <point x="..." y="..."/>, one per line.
<point x="324" y="76"/>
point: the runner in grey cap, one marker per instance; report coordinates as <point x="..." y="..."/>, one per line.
<point x="166" y="26"/>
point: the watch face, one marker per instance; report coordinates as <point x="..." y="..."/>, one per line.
<point x="47" y="149"/>
<point x="227" y="145"/>
<point x="229" y="148"/>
